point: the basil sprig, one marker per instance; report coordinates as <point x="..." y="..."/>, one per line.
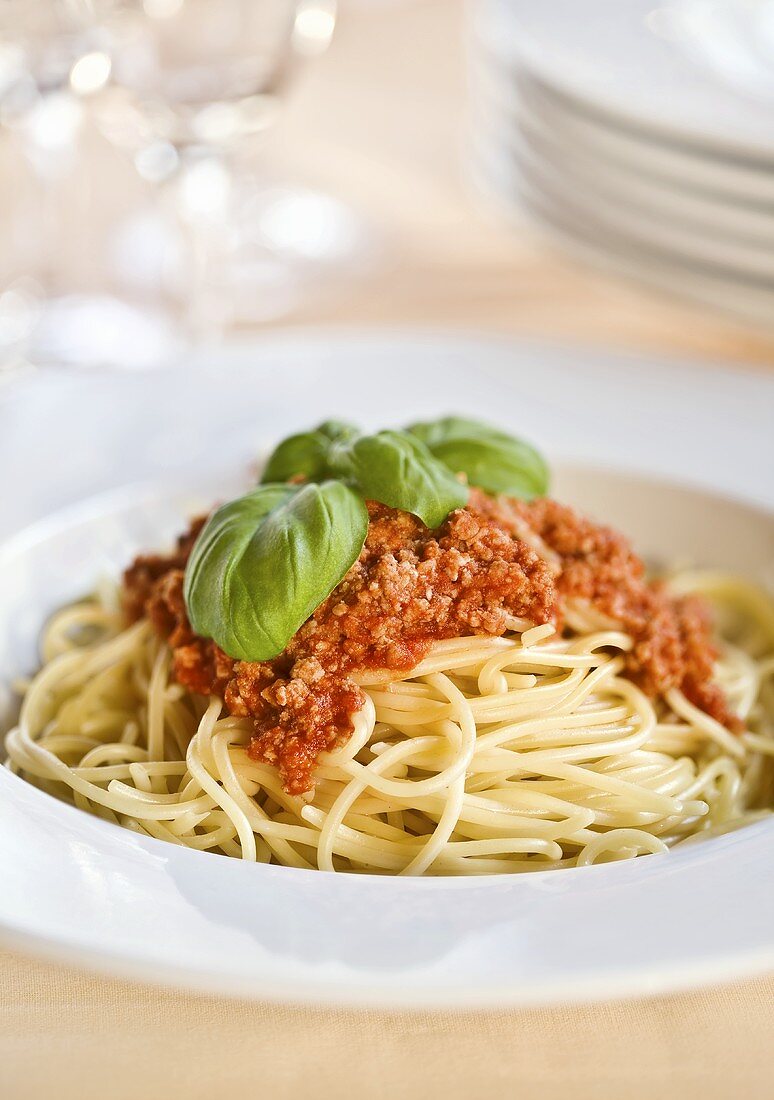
<point x="399" y="471"/>
<point x="264" y="562"/>
<point x="394" y="468"/>
<point x="493" y="460"/>
<point x="306" y="454"/>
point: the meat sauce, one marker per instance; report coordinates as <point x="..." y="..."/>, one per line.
<point x="673" y="644"/>
<point x="411" y="587"/>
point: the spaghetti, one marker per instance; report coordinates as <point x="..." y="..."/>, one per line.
<point x="515" y="753"/>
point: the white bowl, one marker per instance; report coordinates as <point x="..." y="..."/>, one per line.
<point x="80" y="889"/>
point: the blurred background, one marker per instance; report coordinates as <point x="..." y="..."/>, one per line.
<point x="184" y="172"/>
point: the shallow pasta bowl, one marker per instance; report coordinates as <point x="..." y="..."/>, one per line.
<point x="83" y="890"/>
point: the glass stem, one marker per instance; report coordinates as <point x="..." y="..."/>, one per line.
<point x="202" y="192"/>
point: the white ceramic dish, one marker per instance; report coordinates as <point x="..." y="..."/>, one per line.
<point x="91" y="892"/>
<point x="577" y="149"/>
<point x="615" y="58"/>
<point x="510" y="87"/>
<point x="736" y="180"/>
<point x="79" y="889"/>
<point x="645" y="227"/>
<point x="587" y="237"/>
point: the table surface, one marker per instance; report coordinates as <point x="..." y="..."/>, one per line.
<point x="380" y="122"/>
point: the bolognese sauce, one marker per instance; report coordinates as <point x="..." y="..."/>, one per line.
<point x="596" y="565"/>
<point x="412" y="586"/>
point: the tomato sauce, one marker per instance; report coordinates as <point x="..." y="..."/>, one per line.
<point x="673" y="644"/>
<point x="411" y="587"/>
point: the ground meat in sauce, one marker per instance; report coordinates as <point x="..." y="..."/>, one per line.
<point x="140" y="579"/>
<point x="673" y="644"/>
<point x="412" y="586"/>
<point x="409" y="587"/>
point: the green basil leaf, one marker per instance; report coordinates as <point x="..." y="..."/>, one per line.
<point x="338" y="430"/>
<point x="447" y="428"/>
<point x="489" y="458"/>
<point x="306" y="454"/>
<point x="264" y="562"/>
<point x="398" y="470"/>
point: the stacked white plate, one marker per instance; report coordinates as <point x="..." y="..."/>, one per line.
<point x="640" y="137"/>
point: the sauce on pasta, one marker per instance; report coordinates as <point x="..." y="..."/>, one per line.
<point x="493" y="562"/>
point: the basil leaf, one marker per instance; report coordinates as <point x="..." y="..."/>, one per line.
<point x="398" y="470"/>
<point x="338" y="430"/>
<point x="264" y="562"/>
<point x="492" y="459"/>
<point x="306" y="454"/>
<point x="434" y="432"/>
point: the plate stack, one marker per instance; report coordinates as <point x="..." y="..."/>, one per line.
<point x="631" y="134"/>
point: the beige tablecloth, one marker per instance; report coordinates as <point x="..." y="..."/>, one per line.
<point x="378" y="121"/>
<point x="67" y="1035"/>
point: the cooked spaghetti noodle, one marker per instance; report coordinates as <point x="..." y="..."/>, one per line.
<point x="523" y="752"/>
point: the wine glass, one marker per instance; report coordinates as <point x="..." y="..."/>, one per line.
<point x="194" y="85"/>
<point x="58" y="302"/>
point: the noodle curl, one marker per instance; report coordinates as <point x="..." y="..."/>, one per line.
<point x="494" y="755"/>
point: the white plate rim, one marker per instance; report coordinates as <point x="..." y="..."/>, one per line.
<point x="507" y="89"/>
<point x="707" y="208"/>
<point x="646" y="228"/>
<point x="490" y="23"/>
<point x="747" y="302"/>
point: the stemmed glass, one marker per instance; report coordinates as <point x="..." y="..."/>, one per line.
<point x="57" y="303"/>
<point x="188" y="89"/>
<point x="194" y="86"/>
